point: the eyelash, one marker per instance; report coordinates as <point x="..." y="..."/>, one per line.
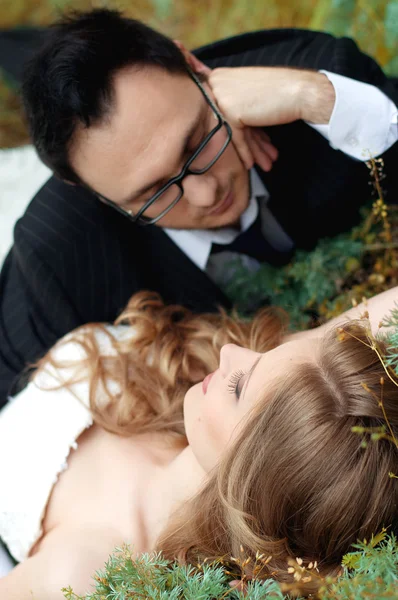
<point x="234" y="381"/>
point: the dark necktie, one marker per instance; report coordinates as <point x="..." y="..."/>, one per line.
<point x="252" y="243"/>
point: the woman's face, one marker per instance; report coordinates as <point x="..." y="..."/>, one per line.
<point x="214" y="408"/>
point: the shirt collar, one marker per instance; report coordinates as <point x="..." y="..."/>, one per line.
<point x="196" y="243"/>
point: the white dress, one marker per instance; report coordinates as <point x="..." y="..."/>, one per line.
<point x="38" y="429"/>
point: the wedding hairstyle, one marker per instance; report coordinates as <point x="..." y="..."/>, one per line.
<point x="69" y="81"/>
<point x="168" y="349"/>
<point x="298" y="480"/>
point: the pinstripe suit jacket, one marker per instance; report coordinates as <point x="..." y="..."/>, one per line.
<point x="75" y="260"/>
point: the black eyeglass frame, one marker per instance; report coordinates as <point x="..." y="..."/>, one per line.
<point x="177" y="180"/>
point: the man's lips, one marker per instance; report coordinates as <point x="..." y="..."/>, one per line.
<point x="223" y="205"/>
<point x="206" y="381"/>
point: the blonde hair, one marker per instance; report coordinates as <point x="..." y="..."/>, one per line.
<point x="297" y="481"/>
<point x="168" y="350"/>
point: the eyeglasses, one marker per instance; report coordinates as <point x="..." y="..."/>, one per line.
<point x="204" y="157"/>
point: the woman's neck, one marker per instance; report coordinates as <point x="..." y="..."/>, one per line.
<point x="171" y="486"/>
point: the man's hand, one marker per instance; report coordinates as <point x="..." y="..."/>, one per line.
<point x="261" y="96"/>
<point x="253" y="145"/>
<point x="254" y="97"/>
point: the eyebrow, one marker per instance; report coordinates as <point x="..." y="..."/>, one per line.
<point x="194" y="125"/>
<point x="250" y="373"/>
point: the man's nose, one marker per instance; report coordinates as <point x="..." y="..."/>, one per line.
<point x="201" y="190"/>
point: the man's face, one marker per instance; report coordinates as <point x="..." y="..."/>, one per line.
<point x="156" y="123"/>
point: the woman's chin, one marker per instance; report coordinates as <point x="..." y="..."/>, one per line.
<point x="192" y="396"/>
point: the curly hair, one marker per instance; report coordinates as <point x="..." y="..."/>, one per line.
<point x="165" y="351"/>
<point x="298" y="481"/>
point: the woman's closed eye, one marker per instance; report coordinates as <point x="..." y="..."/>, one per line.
<point x="236" y="383"/>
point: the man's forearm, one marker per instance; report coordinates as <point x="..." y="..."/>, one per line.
<point x="316" y="97"/>
<point x="335" y="105"/>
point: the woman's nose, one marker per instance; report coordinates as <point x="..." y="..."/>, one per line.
<point x="234" y="357"/>
<point x="229" y="358"/>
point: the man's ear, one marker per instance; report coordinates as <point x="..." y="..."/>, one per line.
<point x="196" y="65"/>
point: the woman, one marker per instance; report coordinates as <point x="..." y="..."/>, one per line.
<point x="263" y="456"/>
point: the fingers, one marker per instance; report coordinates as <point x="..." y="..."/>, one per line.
<point x="242" y="146"/>
<point x="238" y="135"/>
<point x="265" y="142"/>
<point x="196" y="65"/>
<point x="262" y="150"/>
<point x="203" y="69"/>
<point x="254" y="146"/>
<point x="260" y="156"/>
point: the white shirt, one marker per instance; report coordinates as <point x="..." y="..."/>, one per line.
<point x="364" y="120"/>
<point x="363" y="124"/>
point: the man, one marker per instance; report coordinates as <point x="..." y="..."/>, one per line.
<point x="153" y="154"/>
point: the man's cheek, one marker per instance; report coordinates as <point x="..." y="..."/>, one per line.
<point x="231" y="158"/>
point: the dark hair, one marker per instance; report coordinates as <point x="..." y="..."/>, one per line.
<point x="70" y="79"/>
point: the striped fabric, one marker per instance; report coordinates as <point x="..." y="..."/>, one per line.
<point x="75" y="260"/>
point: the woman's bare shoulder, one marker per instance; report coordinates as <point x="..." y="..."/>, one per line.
<point x="66" y="558"/>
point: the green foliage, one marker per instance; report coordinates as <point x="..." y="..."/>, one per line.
<point x="372" y="23"/>
<point x="371" y="571"/>
<point x="391" y="339"/>
<point x="310" y="284"/>
<point x="163" y="8"/>
<point x="151" y="576"/>
<point x="323" y="283"/>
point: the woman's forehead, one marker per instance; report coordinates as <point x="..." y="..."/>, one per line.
<point x="277" y="363"/>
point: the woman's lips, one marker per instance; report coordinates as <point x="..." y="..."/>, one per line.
<point x="206" y="381"/>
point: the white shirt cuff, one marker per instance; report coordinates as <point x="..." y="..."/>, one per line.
<point x="364" y="120"/>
